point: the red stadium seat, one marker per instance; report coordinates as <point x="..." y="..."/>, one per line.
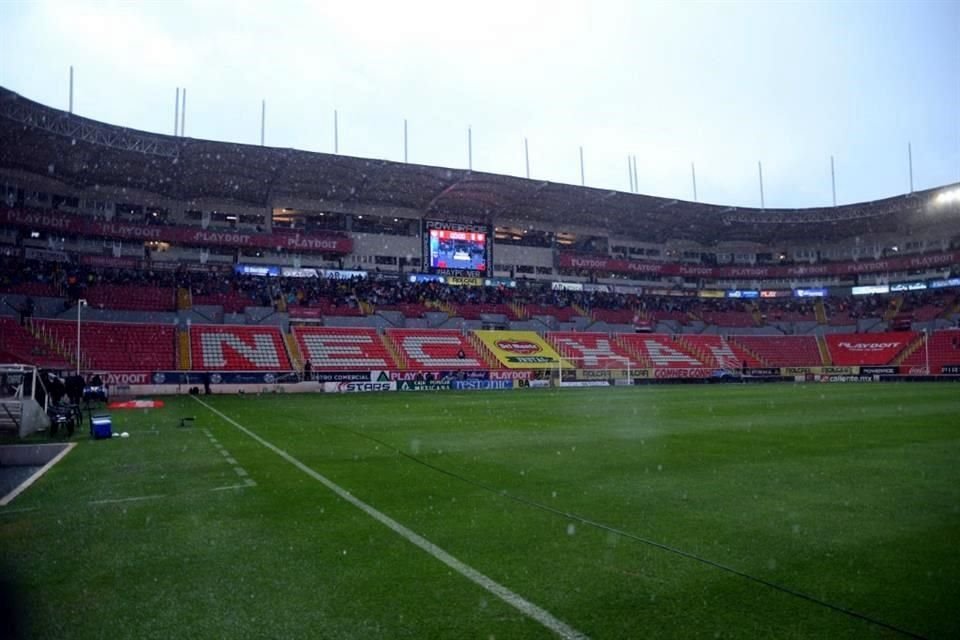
<point x="782" y="351"/>
<point x="343" y="348"/>
<point x="116" y="346"/>
<point x="435" y="349"/>
<point x="593" y="350"/>
<point x="238" y="348"/>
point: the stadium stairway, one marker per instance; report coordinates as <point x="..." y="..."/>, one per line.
<point x="23" y="346"/>
<point x="293" y="351"/>
<point x="592" y="350"/>
<point x="943" y="349"/>
<point x="820" y="311"/>
<point x="519" y="311"/>
<point x="184" y="299"/>
<point x="403" y="362"/>
<point x="893" y="308"/>
<point x="485" y="353"/>
<point x="631" y="349"/>
<point x="913" y="345"/>
<point x="825" y="358"/>
<point x="757" y="315"/>
<point x="184" y="361"/>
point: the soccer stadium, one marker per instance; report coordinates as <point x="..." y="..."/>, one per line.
<point x="255" y="391"/>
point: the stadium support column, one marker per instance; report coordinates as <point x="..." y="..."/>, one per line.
<point x="263" y="121"/>
<point x="183" y="112"/>
<point x="833" y="181"/>
<point x="176" y="114"/>
<point x="405" y="140"/>
<point x="336" y="133"/>
<point x="760" y="169"/>
<point x="910" y="164"/>
<point x="526" y="156"/>
<point x="583" y="181"/>
<point x="636" y="176"/>
<point x="71" y="91"/>
<point x="630" y="173"/>
<point x="470" y="148"/>
<point x="693" y="176"/>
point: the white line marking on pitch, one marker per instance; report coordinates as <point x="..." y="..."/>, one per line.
<point x="240" y="471"/>
<point x="7" y="499"/>
<point x="526" y="607"/>
<point x="236" y="486"/>
<point x="135" y="499"/>
<point x="231" y="460"/>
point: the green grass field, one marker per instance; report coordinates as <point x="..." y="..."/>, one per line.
<point x="846" y="494"/>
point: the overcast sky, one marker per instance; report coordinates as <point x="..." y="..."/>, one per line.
<point x="719" y="84"/>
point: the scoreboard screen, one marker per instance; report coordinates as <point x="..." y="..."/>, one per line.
<point x="457" y="249"/>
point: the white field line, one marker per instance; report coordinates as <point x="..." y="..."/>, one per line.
<point x="248" y="483"/>
<point x="526" y="607"/>
<point x="7" y="499"/>
<point x="134" y="499"/>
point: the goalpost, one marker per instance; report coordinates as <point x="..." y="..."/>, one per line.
<point x="23" y="401"/>
<point x="592" y="371"/>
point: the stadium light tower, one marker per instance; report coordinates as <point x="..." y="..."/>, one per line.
<point x="80" y="304"/>
<point x="945" y="198"/>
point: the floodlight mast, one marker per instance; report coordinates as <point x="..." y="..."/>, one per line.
<point x="80" y="304"/>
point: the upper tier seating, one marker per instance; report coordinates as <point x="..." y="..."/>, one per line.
<point x="720" y="352"/>
<point x="562" y="314"/>
<point x="729" y="318"/>
<point x="435" y="349"/>
<point x="475" y="311"/>
<point x="232" y="302"/>
<point x="343" y="348"/>
<point x="408" y="309"/>
<point x="20" y="346"/>
<point x="117" y="346"/>
<point x="238" y="348"/>
<point x="131" y="297"/>
<point x="592" y="350"/>
<point x="614" y="316"/>
<point x="782" y="351"/>
<point x="36" y="289"/>
<point x="943" y="348"/>
<point x="661" y="351"/>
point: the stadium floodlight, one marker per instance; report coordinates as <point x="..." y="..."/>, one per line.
<point x="948" y="197"/>
<point x="80" y="304"/>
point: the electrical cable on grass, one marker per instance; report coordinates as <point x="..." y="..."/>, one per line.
<point x="647" y="541"/>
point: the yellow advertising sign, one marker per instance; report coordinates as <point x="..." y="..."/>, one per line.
<point x="520" y="349"/>
<point x="464" y="282"/>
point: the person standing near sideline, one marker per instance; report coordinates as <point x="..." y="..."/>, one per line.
<point x="307" y="370"/>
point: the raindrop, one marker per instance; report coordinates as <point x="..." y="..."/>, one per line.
<point x="571" y="529"/>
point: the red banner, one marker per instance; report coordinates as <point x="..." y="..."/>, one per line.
<point x="900" y="263"/>
<point x="66" y="223"/>
<point x="848" y="349"/>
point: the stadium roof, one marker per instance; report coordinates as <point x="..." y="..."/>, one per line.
<point x="84" y="153"/>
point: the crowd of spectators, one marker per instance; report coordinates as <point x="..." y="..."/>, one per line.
<point x="72" y="282"/>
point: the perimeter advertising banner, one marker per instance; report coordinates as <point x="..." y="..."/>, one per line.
<point x="830" y="371"/>
<point x="521" y="349"/>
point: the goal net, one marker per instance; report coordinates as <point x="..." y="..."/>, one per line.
<point x="593" y="371"/>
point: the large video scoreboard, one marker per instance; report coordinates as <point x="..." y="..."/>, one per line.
<point x="457" y="249"/>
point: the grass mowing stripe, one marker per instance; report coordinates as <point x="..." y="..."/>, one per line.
<point x="526" y="607"/>
<point x="647" y="541"/>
